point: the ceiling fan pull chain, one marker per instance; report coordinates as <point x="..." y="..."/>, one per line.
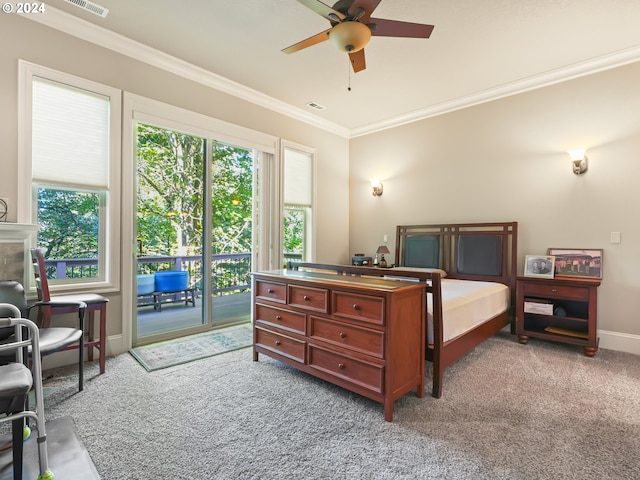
<point x="349" y="73"/>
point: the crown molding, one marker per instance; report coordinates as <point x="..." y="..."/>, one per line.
<point x="102" y="37"/>
<point x="90" y="32"/>
<point x="595" y="65"/>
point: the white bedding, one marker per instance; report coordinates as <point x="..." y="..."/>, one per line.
<point x="466" y="304"/>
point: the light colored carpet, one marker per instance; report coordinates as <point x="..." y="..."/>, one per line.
<point x="193" y="347"/>
<point x="509" y="411"/>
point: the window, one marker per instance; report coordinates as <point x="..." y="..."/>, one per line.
<point x="298" y="204"/>
<point x="71" y="138"/>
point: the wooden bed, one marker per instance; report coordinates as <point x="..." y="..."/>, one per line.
<point x="485" y="252"/>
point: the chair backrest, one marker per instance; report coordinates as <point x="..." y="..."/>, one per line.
<point x="11" y="292"/>
<point x="42" y="285"/>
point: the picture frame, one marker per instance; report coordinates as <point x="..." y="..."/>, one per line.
<point x="577" y="262"/>
<point x="541" y="266"/>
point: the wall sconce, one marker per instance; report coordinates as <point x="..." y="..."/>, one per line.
<point x="579" y="161"/>
<point x="377" y="188"/>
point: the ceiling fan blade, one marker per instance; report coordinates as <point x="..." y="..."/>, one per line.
<point x="367" y="5"/>
<point x="394" y="28"/>
<point x="357" y="61"/>
<point x="325" y="10"/>
<point x="319" y="38"/>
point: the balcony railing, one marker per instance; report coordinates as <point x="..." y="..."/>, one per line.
<point x="231" y="272"/>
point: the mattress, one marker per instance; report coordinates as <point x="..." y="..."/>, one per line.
<point x="465" y="305"/>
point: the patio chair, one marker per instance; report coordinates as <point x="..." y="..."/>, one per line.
<point x="51" y="340"/>
<point x="16" y="381"/>
<point x="59" y="304"/>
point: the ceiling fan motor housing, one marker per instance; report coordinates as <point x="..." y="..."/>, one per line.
<point x="350" y="36"/>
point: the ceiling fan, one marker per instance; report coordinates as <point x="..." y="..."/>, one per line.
<point x="352" y="27"/>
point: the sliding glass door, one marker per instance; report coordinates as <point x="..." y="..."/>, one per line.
<point x="232" y="188"/>
<point x="194" y="216"/>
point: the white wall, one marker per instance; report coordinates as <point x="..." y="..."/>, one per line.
<point x="506" y="160"/>
<point x="33" y="42"/>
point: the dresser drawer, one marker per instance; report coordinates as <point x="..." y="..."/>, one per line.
<point x="275" y="292"/>
<point x="281" y="344"/>
<point x="556" y="291"/>
<point x="358" y="307"/>
<point x="355" y="338"/>
<point x="315" y="299"/>
<point x="363" y="374"/>
<point x="281" y="318"/>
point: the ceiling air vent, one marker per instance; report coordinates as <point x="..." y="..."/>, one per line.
<point x="315" y="106"/>
<point x="90" y="7"/>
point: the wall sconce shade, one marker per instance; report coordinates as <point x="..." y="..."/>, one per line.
<point x="579" y="161"/>
<point x="377" y="188"/>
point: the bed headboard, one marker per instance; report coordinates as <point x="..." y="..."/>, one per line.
<point x="466" y="251"/>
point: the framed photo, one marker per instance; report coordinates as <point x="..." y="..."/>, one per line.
<point x="539" y="266"/>
<point x="577" y="262"/>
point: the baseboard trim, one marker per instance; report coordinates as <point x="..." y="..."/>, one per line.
<point x="622" y="342"/>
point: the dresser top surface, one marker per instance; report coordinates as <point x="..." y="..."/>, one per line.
<point x="330" y="279"/>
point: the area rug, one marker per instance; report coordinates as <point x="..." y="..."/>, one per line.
<point x="194" y="347"/>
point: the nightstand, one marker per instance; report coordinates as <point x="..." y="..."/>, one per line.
<point x="562" y="309"/>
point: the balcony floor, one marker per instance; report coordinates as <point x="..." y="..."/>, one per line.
<point x="177" y="316"/>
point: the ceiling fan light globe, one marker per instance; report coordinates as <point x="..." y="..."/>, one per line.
<point x="350" y="37"/>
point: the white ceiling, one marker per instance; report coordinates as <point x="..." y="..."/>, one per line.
<point x="479" y="50"/>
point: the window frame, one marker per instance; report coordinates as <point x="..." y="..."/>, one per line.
<point x="109" y="232"/>
<point x="309" y="245"/>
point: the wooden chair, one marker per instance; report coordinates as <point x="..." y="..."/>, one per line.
<point x="16" y="380"/>
<point x="59" y="304"/>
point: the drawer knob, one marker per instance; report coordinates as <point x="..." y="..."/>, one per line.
<point x="278" y="317"/>
<point x="554" y="290"/>
<point x="356" y="306"/>
<point x="277" y="343"/>
<point x="343" y="335"/>
<point x="341" y="366"/>
<point x="269" y="290"/>
<point x="306" y="298"/>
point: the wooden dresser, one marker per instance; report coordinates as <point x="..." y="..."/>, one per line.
<point x="364" y="334"/>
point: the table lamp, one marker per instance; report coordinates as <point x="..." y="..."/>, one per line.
<point x="382" y="249"/>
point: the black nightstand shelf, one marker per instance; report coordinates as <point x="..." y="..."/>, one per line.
<point x="561" y="309"/>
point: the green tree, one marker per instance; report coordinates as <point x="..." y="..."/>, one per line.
<point x="68" y="223"/>
<point x="293" y="229"/>
<point x="170" y="192"/>
<point x="232" y="199"/>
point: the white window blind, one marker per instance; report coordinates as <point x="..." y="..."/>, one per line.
<point x="70" y="136"/>
<point x="297" y="178"/>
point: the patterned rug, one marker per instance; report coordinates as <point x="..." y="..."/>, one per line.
<point x="194" y="347"/>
